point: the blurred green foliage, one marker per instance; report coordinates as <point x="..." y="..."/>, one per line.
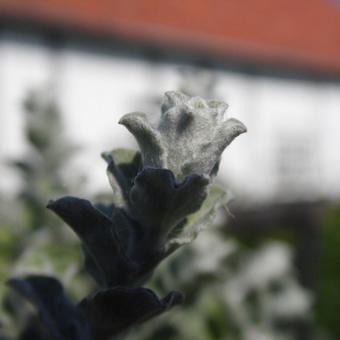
<point x="32" y="240"/>
<point x="328" y="296"/>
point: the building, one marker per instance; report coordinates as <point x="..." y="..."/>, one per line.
<point x="276" y="63"/>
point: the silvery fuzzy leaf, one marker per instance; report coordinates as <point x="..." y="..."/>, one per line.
<point x="198" y="221"/>
<point x="190" y="137"/>
<point x="148" y="137"/>
<point x="122" y="166"/>
<point x="106" y="260"/>
<point x="115" y="310"/>
<point x="159" y="203"/>
<point x="59" y="315"/>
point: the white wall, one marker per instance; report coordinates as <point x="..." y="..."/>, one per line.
<point x="292" y="123"/>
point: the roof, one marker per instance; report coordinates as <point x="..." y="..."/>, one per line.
<point x="298" y="33"/>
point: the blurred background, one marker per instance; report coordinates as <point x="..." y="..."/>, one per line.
<point x="70" y="69"/>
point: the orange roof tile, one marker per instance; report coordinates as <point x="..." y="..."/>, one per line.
<point x="300" y="33"/>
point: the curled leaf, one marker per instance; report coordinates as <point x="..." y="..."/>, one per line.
<point x="198" y="221"/>
<point x="59" y="315"/>
<point x="100" y="316"/>
<point x="122" y="167"/>
<point x="109" y="264"/>
<point x="159" y="203"/>
<point x="115" y="310"/>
